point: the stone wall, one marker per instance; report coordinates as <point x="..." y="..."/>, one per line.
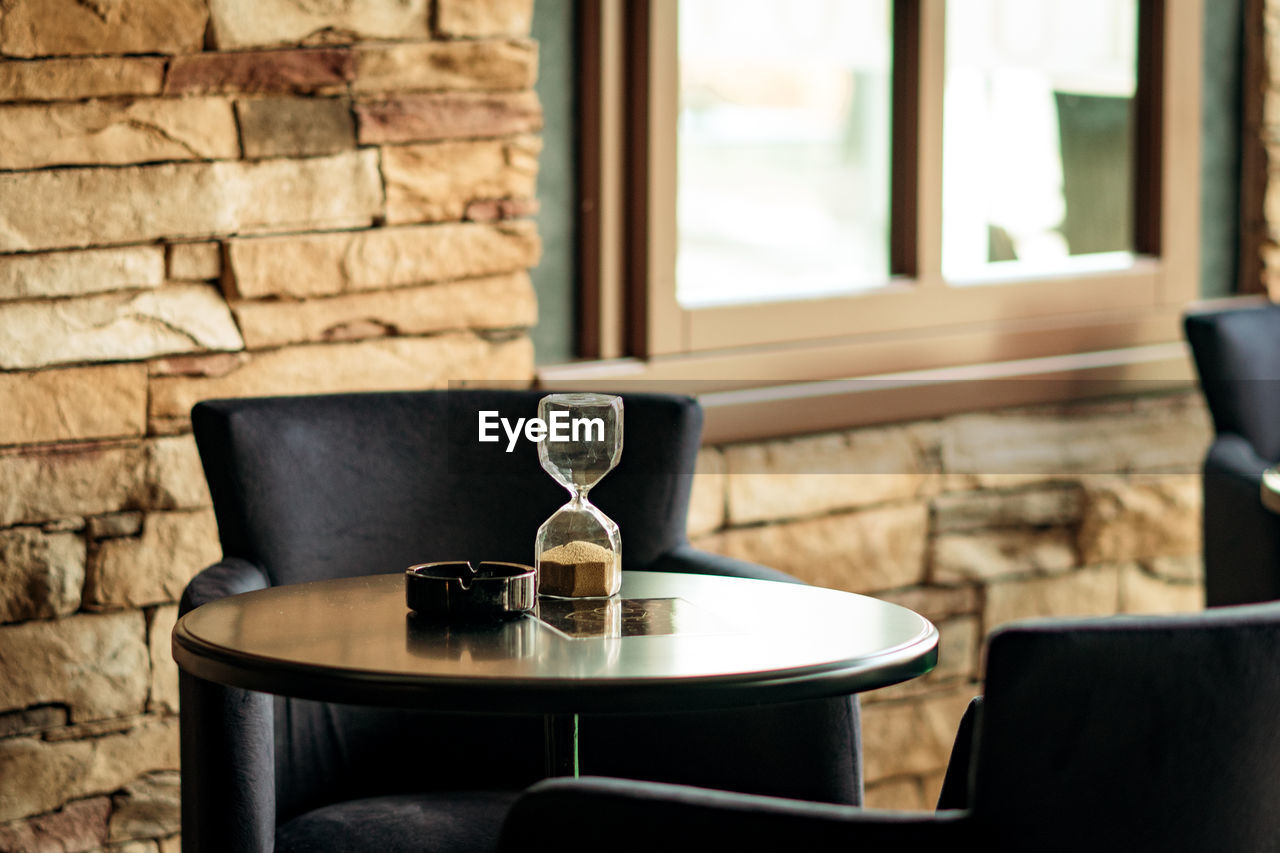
<point x="972" y="520"/>
<point x="204" y="199"/>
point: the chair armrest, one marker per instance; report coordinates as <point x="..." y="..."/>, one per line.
<point x="227" y="741"/>
<point x="623" y="815"/>
<point x="1241" y="535"/>
<point x="230" y="576"/>
<point x="690" y="560"/>
<point x="1233" y="456"/>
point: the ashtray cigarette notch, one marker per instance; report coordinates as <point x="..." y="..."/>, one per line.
<point x="455" y="590"/>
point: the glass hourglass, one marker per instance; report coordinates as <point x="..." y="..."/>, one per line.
<point x="578" y="552"/>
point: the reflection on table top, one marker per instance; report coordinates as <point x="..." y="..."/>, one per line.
<point x="666" y="641"/>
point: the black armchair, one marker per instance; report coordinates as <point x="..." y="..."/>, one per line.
<point x="1237" y="354"/>
<point x="311" y="488"/>
<point x="1128" y="734"/>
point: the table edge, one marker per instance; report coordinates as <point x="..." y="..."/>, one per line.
<point x="214" y="663"/>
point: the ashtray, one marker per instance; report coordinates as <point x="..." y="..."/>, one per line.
<point x="455" y="591"/>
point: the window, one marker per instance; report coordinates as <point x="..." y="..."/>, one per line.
<point x="782" y="191"/>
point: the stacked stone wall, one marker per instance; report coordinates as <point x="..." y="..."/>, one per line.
<point x="973" y="520"/>
<point x="203" y="199"/>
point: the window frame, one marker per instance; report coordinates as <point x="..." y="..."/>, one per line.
<point x="634" y="330"/>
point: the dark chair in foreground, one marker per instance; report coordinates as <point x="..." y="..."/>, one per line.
<point x="1237" y="354"/>
<point x="1115" y="735"/>
<point x="311" y="488"/>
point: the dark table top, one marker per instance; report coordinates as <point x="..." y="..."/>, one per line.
<point x="666" y="642"/>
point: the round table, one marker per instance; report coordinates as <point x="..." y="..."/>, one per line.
<point x="666" y="642"/>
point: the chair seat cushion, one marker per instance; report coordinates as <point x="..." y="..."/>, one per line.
<point x="422" y="823"/>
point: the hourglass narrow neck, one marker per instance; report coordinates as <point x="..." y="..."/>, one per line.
<point x="578" y="495"/>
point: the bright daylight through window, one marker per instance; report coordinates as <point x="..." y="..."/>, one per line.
<point x="783" y="173"/>
<point x="1038" y="136"/>
<point x="784" y="138"/>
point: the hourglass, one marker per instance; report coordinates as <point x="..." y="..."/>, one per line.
<point x="578" y="552"/>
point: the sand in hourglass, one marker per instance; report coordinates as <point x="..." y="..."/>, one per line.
<point x="576" y="569"/>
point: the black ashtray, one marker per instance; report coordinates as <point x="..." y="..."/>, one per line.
<point x="453" y="591"/>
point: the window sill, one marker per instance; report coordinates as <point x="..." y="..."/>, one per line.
<point x="767" y="392"/>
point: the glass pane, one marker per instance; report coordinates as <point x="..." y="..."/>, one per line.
<point x="783" y="174"/>
<point x="1038" y="136"/>
<point x="554" y="280"/>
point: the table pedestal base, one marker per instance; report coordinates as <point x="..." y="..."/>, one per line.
<point x="561" y="739"/>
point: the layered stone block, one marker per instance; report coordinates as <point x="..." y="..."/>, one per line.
<point x="1271" y="208"/>
<point x="321" y="70"/>
<point x="70" y="27"/>
<point x="439" y="181"/>
<point x="867" y="551"/>
<point x="78" y="273"/>
<point x="1054" y="505"/>
<point x="31" y="720"/>
<point x="164" y="671"/>
<point x="902" y="738"/>
<point x="959" y="643"/>
<point x="478" y="18"/>
<point x="806" y="476"/>
<point x="1140" y="518"/>
<point x="148" y="807"/>
<point x="255" y="23"/>
<point x="447" y="115"/>
<point x="48" y="485"/>
<point x="77" y="403"/>
<point x="383" y="364"/>
<point x="104" y="132"/>
<point x="81" y="825"/>
<point x="74" y="79"/>
<point x="494" y="209"/>
<point x="213" y="364"/>
<point x="939" y="603"/>
<point x="39" y="776"/>
<point x="1001" y="449"/>
<point x="1092" y="591"/>
<point x="905" y="793"/>
<point x="295" y="127"/>
<point x="1179" y="568"/>
<point x="41" y="574"/>
<point x="1142" y="591"/>
<point x="986" y="554"/>
<point x="116" y="326"/>
<point x="114" y="524"/>
<point x="96" y="664"/>
<point x="155" y="567"/>
<point x="194" y="261"/>
<point x="326" y="264"/>
<point x="707" y="497"/>
<point x="175" y="476"/>
<point x="83" y="207"/>
<point x="485" y="303"/>
<point x="490" y="66"/>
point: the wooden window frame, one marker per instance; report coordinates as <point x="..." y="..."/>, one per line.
<point x="635" y="332"/>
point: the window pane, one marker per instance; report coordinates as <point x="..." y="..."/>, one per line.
<point x="1038" y="136"/>
<point x="783" y="173"/>
<point x="554" y="277"/>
